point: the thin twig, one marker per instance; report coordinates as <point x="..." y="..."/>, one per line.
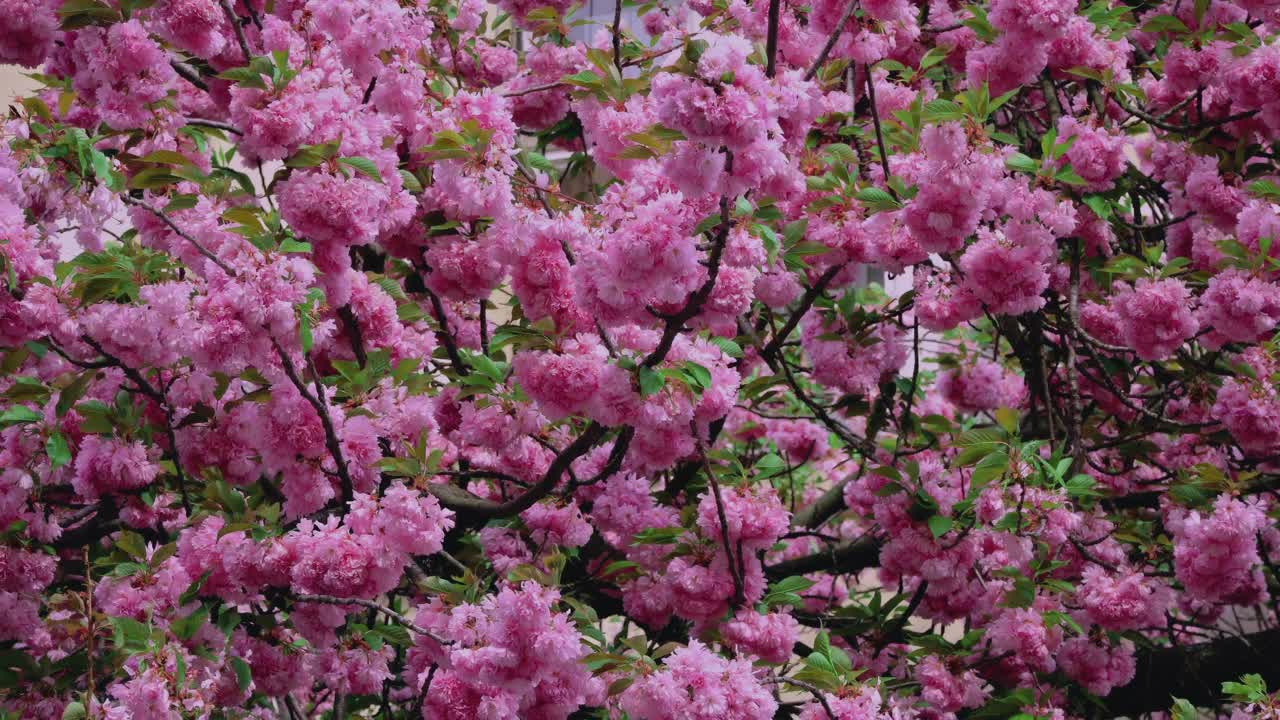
<point x="215" y="124"/>
<point x="330" y="434"/>
<point x="813" y="689"/>
<point x="806" y="302"/>
<point x="352" y="325"/>
<point x="159" y="397"/>
<point x="831" y="40"/>
<point x="400" y="619"/>
<point x="174" y="227"/>
<point x="235" y="24"/>
<point x="617" y="35"/>
<point x="875" y="120"/>
<point x="188" y="74"/>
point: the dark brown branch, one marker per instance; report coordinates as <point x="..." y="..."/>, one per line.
<point x="352" y="326"/>
<point x="397" y="617"/>
<point x="771" y="40"/>
<point x="617" y="35"/>
<point x="181" y="233"/>
<point x="814" y="690"/>
<point x="215" y="124"/>
<point x="831" y="40"/>
<point x="330" y="434"/>
<point x="473" y="509"/>
<point x="875" y="121"/>
<point x="187" y="73"/>
<point x="444" y="334"/>
<point x="158" y="396"/>
<point x="850" y="557"/>
<point x="693" y="305"/>
<point x="1195" y="672"/>
<point x="806" y="302"/>
<point x="105" y="522"/>
<point x="239" y="30"/>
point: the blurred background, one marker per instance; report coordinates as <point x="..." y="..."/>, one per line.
<point x="13" y="83"/>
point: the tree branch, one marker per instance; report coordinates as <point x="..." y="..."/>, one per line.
<point x="1195" y="672"/>
<point x="330" y="434"/>
<point x="831" y="40"/>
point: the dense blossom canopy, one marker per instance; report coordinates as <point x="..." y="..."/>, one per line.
<point x="410" y="358"/>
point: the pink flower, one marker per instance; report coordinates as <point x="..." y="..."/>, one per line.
<point x="1238" y="307"/>
<point x="983" y="386"/>
<point x="27" y="29"/>
<point x="108" y="465"/>
<point x="1007" y="271"/>
<point x="769" y="637"/>
<point x="1095" y="155"/>
<point x="1155" y="317"/>
<point x="1216" y="556"/>
<point x="725" y="689"/>
<point x="946" y="691"/>
<point x="1123" y="601"/>
<point x="557" y="525"/>
<point x="755" y="517"/>
<point x="1099" y="669"/>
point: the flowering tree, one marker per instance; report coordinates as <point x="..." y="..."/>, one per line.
<point x="357" y="363"/>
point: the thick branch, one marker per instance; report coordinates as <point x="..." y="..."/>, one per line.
<point x="850" y="557"/>
<point x="1195" y="672"/>
<point x="771" y="40"/>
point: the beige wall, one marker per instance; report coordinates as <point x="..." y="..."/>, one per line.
<point x="13" y="84"/>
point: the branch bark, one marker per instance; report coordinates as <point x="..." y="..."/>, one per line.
<point x="1195" y="672"/>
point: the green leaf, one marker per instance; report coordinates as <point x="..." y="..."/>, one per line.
<point x="877" y="199"/>
<point x="18" y="414"/>
<point x="842" y="153"/>
<point x="83" y="13"/>
<point x="131" y="635"/>
<point x="1068" y="176"/>
<point x="410" y="181"/>
<point x="1183" y="710"/>
<point x="769" y="465"/>
<point x="659" y="536"/>
<point x="699" y="376"/>
<point x="74" y="711"/>
<point x="989" y="468"/>
<point x="935" y="55"/>
<point x="1022" y="163"/>
<point x="792" y="584"/>
<point x="290" y="245"/>
<point x="244" y="77"/>
<point x="312" y="155"/>
<point x="1164" y="23"/>
<point x="727" y="346"/>
<point x="1265" y="189"/>
<point x="243" y="675"/>
<point x="186" y="627"/>
<point x="304" y="333"/>
<point x="1008" y="419"/>
<point x="364" y="166"/>
<point x="650" y="381"/>
<point x="57" y="450"/>
<point x="153" y="178"/>
<point x="942" y="111"/>
<point x="939" y="525"/>
<point x="72" y="393"/>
